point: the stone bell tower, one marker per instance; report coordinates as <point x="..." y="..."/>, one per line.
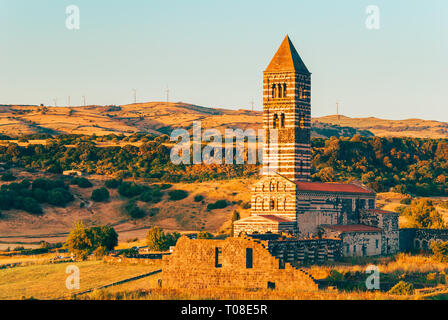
<point x="287" y="110"/>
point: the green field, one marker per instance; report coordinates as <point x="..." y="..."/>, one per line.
<point x="48" y="281"/>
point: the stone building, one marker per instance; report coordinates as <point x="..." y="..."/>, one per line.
<point x="414" y="239"/>
<point x="284" y="199"/>
<point x="229" y="264"/>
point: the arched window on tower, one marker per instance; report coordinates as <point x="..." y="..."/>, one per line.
<point x="282" y="120"/>
<point x="274" y="122"/>
<point x="301" y="121"/>
<point x="300" y="93"/>
<point x="273" y="91"/>
<point x="279" y="90"/>
<point x="284" y="90"/>
<point x="272" y="204"/>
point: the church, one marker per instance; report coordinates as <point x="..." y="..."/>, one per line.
<point x="284" y="200"/>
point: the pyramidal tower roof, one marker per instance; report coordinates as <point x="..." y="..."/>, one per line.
<point x="287" y="59"/>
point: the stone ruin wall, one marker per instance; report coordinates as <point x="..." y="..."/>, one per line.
<point x="306" y="251"/>
<point x="420" y="239"/>
<point x="192" y="265"/>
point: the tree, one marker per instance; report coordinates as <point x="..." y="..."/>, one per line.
<point x="59" y="197"/>
<point x="83" y="241"/>
<point x="440" y="250"/>
<point x="422" y="214"/>
<point x="79" y="242"/>
<point x="157" y="240"/>
<point x="133" y="210"/>
<point x="205" y="235"/>
<point x="101" y="194"/>
<point x="177" y="194"/>
<point x="112" y="183"/>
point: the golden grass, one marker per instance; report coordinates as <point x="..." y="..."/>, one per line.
<point x="48" y="281"/>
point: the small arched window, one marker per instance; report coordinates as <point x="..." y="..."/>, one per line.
<point x="273" y="91"/>
<point x="300" y="93"/>
<point x="282" y="120"/>
<point x="301" y="121"/>
<point x="272" y="204"/>
<point x="274" y="123"/>
<point x="284" y="90"/>
<point x="279" y="91"/>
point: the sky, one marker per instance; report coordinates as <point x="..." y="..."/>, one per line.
<point x="213" y="53"/>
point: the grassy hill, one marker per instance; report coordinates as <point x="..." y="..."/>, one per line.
<point x="162" y="117"/>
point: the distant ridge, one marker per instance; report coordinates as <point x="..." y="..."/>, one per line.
<point x="162" y="118"/>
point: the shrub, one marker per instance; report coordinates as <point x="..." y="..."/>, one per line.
<point x="177" y="194"/>
<point x="40" y="195"/>
<point x="47" y="184"/>
<point x="165" y="186"/>
<point x="59" y="197"/>
<point x="402" y="288"/>
<point x="82" y="182"/>
<point x="146" y="196"/>
<point x="406" y="201"/>
<point x="157" y="240"/>
<point x="112" y="183"/>
<point x="220" y="204"/>
<point x="132" y="210"/>
<point x="32" y="206"/>
<point x="101" y="194"/>
<point x="130" y="189"/>
<point x="205" y="235"/>
<point x="8" y="177"/>
<point x="440" y="250"/>
<point x="83" y="241"/>
<point x="246" y="205"/>
<point x="198" y="198"/>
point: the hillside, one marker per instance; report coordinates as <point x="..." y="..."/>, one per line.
<point x="416" y="128"/>
<point x="162" y="117"/>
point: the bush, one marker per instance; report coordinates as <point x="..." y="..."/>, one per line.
<point x="130" y="189"/>
<point x="101" y="194"/>
<point x="47" y="184"/>
<point x="83" y="241"/>
<point x="406" y="201"/>
<point x="82" y="182"/>
<point x="198" y="198"/>
<point x="220" y="204"/>
<point x="112" y="183"/>
<point x="157" y="240"/>
<point x="440" y="250"/>
<point x="402" y="288"/>
<point x="8" y="177"/>
<point x="205" y="235"/>
<point x="32" y="206"/>
<point x="177" y="194"/>
<point x="40" y="195"/>
<point x="59" y="197"/>
<point x="146" y="196"/>
<point x="165" y="186"/>
<point x="132" y="210"/>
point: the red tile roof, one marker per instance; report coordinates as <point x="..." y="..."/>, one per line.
<point x="332" y="187"/>
<point x="274" y="218"/>
<point x="381" y="211"/>
<point x="353" y="228"/>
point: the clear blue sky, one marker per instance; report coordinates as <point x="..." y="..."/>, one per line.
<point x="212" y="53"/>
